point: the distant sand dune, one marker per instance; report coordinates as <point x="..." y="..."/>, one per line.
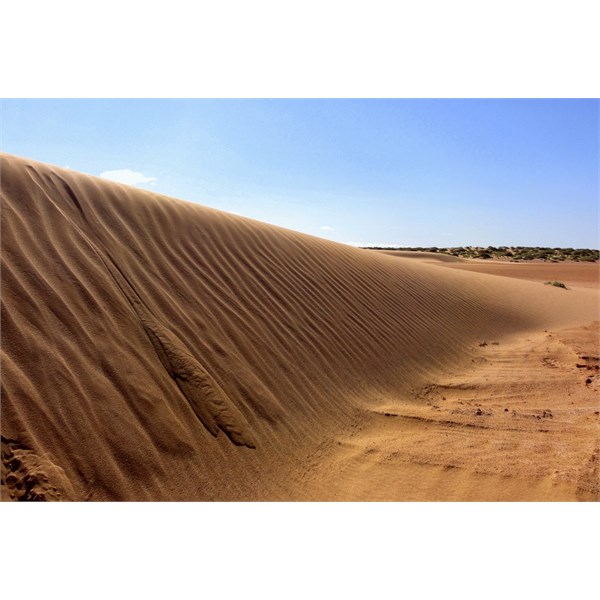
<point x="431" y="256"/>
<point x="154" y="349"/>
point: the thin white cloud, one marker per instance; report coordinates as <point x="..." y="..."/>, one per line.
<point x="128" y="177"/>
<point x="326" y="228"/>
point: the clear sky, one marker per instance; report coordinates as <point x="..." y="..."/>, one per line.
<point x="364" y="172"/>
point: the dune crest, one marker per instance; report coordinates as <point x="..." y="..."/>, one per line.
<point x="128" y="317"/>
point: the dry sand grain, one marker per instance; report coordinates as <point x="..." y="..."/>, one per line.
<point x="154" y="349"/>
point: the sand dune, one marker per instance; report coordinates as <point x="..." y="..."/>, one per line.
<point x="154" y="349"/>
<point x="428" y="256"/>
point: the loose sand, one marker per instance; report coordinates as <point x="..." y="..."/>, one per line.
<point x="154" y="349"/>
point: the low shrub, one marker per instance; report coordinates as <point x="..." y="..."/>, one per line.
<point x="559" y="284"/>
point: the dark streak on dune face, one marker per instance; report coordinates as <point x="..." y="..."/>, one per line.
<point x="112" y="295"/>
<point x="210" y="403"/>
<point x="207" y="399"/>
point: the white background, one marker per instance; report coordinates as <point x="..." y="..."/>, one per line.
<point x="305" y="49"/>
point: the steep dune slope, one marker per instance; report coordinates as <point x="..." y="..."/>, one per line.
<point x="154" y="349"/>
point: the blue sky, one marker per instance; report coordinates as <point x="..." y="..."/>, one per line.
<point x="365" y="172"/>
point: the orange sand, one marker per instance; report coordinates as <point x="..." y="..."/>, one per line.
<point x="154" y="349"/>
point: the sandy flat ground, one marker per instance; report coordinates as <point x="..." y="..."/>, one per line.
<point x="579" y="274"/>
<point x="576" y="274"/>
<point x="154" y="349"/>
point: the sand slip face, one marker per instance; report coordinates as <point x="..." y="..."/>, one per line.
<point x="154" y="349"/>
